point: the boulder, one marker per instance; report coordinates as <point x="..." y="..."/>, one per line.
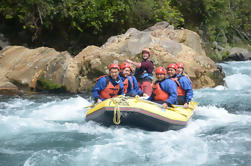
<point x="167" y="45"/>
<point x="26" y="67"/>
<point x="238" y="54"/>
<point x="9" y="89"/>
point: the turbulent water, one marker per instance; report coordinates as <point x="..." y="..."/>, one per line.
<point x="47" y="130"/>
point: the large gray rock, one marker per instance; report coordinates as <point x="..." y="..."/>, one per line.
<point x="238" y="54"/>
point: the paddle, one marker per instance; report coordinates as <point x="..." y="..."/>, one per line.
<point x="89" y="106"/>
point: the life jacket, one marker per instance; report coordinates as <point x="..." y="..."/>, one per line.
<point x="180" y="91"/>
<point x="158" y="93"/>
<point x="110" y="90"/>
<point x="126" y="84"/>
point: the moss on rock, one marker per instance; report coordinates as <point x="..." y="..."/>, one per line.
<point x="43" y="84"/>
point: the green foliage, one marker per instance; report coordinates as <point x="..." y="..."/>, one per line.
<point x="88" y="15"/>
<point x="224" y="21"/>
<point x="32" y="14"/>
<point x="145" y="13"/>
<point x="164" y="11"/>
<point x="220" y="19"/>
<point x="48" y="85"/>
<point x="225" y="54"/>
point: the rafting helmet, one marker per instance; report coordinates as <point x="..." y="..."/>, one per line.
<point x="114" y="66"/>
<point x="179" y="64"/>
<point x="126" y="65"/>
<point x="146" y="50"/>
<point x="160" y="70"/>
<point x="172" y="65"/>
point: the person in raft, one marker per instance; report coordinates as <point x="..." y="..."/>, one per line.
<point x="164" y="89"/>
<point x="144" y="72"/>
<point x="108" y="86"/>
<point x="129" y="81"/>
<point x="184" y="86"/>
<point x="180" y="70"/>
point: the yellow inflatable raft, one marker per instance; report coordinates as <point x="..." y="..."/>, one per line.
<point x="136" y="112"/>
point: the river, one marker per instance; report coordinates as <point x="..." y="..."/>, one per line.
<point x="50" y="130"/>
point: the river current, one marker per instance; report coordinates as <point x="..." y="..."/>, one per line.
<point x="50" y="130"/>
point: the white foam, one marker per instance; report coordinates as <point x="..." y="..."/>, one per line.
<point x="238" y="82"/>
<point x="213" y="117"/>
<point x="142" y="148"/>
<point x="23" y="118"/>
<point x="16" y="102"/>
<point x="220" y="88"/>
<point x="236" y="67"/>
<point x="16" y="106"/>
<point x="15" y="125"/>
<point x="114" y="146"/>
<point x="68" y="109"/>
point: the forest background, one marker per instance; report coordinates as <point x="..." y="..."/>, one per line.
<point x="72" y="25"/>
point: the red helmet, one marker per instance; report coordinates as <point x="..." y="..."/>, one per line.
<point x="125" y="65"/>
<point x="146" y="50"/>
<point x="114" y="66"/>
<point x="172" y="65"/>
<point x="181" y="65"/>
<point x="160" y="70"/>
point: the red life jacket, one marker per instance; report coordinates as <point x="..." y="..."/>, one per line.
<point x="180" y="91"/>
<point x="110" y="90"/>
<point x="158" y="93"/>
<point x="125" y="83"/>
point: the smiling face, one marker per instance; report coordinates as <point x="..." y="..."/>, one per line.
<point x="160" y="77"/>
<point x="171" y="72"/>
<point x="114" y="73"/>
<point x="179" y="70"/>
<point x="126" y="72"/>
<point x="145" y="55"/>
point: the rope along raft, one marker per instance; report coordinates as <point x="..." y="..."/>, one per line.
<point x="123" y="101"/>
<point x="118" y="101"/>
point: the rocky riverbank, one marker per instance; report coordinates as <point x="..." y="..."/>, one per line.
<point x="45" y="69"/>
